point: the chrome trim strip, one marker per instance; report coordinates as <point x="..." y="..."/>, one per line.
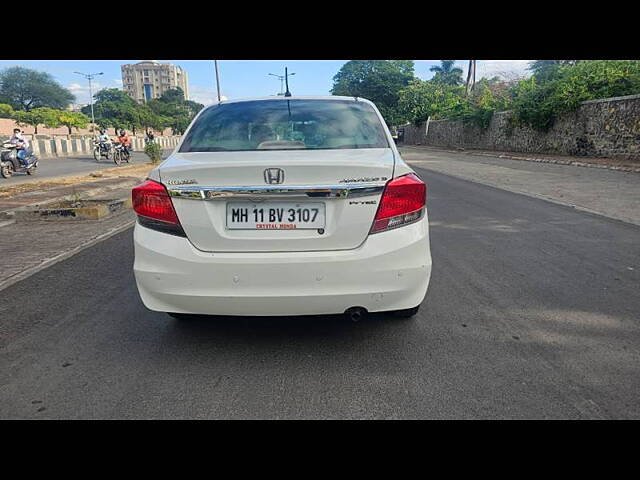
<point x="353" y="190"/>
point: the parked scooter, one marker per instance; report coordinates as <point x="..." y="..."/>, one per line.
<point x="10" y="163"/>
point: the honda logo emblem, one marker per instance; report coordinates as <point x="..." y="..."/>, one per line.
<point x="273" y="176"/>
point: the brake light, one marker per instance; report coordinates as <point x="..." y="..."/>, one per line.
<point x="152" y="204"/>
<point x="402" y="203"/>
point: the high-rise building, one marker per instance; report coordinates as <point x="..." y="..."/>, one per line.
<point x="149" y="79"/>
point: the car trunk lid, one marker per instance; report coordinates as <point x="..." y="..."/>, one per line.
<point x="345" y="183"/>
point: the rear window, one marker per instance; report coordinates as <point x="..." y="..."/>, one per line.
<point x="286" y="125"/>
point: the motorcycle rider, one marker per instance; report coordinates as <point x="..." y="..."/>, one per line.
<point x="124" y="140"/>
<point x="22" y="144"/>
<point x="104" y="140"/>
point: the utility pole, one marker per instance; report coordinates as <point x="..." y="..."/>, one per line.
<point x="217" y="78"/>
<point x="471" y="76"/>
<point x="90" y="76"/>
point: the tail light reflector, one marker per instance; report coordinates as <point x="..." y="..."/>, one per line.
<point x="154" y="208"/>
<point x="402" y="203"/>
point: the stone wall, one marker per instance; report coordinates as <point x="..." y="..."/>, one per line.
<point x="607" y="127"/>
<point x="45" y="146"/>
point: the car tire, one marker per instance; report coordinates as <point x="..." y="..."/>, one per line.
<point x="407" y="313"/>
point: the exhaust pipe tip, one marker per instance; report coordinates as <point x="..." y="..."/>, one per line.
<point x="355" y="314"/>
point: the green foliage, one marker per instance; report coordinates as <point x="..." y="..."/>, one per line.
<point x="546" y="70"/>
<point x="446" y="73"/>
<point x="556" y="87"/>
<point x="538" y="102"/>
<point x="114" y="108"/>
<point x="72" y="119"/>
<point x="423" y="99"/>
<point x="38" y="116"/>
<point x="6" y="111"/>
<point x="26" y="89"/>
<point x="173" y="95"/>
<point x="153" y="151"/>
<point x="487" y="97"/>
<point x="377" y="80"/>
<point x="172" y="110"/>
<point x="531" y="105"/>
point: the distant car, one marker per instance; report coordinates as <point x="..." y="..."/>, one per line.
<point x="283" y="206"/>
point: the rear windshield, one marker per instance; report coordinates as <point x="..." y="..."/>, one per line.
<point x="285" y="125"/>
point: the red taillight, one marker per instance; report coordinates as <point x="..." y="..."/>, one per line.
<point x="153" y="205"/>
<point x="402" y="202"/>
<point x="152" y="200"/>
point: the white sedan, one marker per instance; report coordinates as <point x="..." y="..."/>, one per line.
<point x="283" y="206"/>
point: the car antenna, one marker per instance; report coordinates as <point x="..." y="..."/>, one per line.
<point x="286" y="81"/>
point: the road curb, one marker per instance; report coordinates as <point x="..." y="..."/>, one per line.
<point x="64" y="255"/>
<point x="572" y="163"/>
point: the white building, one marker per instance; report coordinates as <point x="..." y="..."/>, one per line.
<point x="149" y="79"/>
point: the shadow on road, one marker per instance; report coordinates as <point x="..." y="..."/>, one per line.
<point x="282" y="328"/>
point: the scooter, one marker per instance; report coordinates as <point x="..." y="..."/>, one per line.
<point x="10" y="163"/>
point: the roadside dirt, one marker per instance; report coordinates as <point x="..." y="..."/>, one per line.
<point x="97" y="176"/>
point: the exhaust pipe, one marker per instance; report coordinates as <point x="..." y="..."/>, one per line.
<point x="355" y="314"/>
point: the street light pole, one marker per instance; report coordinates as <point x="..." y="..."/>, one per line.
<point x="89" y="76"/>
<point x="282" y="79"/>
<point x="217" y="78"/>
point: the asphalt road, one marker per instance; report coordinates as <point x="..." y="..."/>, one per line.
<point x="63" y="166"/>
<point x="533" y="312"/>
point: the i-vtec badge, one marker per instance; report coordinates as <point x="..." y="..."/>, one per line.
<point x="273" y="176"/>
<point x="181" y="182"/>
<point x="362" y="179"/>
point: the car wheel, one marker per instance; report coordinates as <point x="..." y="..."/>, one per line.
<point x="408" y="313"/>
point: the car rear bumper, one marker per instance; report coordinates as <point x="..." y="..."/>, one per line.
<point x="390" y="271"/>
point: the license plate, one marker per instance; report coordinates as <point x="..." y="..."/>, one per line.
<point x="275" y="215"/>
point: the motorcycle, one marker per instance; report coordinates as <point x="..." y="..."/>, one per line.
<point x="101" y="149"/>
<point x="120" y="153"/>
<point x="10" y="163"/>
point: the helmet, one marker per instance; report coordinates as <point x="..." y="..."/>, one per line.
<point x="102" y="131"/>
<point x="121" y="132"/>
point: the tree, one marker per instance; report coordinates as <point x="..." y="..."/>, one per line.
<point x="172" y="110"/>
<point x="424" y="99"/>
<point x="446" y="73"/>
<point x="547" y="70"/>
<point x="173" y="95"/>
<point x="72" y="119"/>
<point x="487" y="97"/>
<point x="38" y="116"/>
<point x="377" y="80"/>
<point x="26" y="89"/>
<point x="537" y="102"/>
<point x="6" y="111"/>
<point x="114" y="108"/>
